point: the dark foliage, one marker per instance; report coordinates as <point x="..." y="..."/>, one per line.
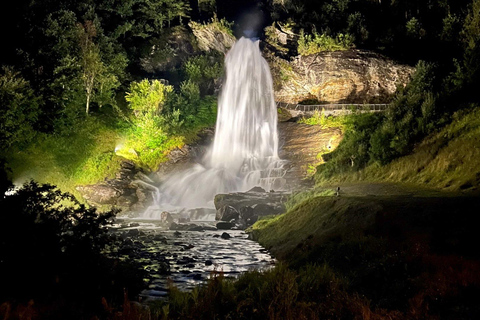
<point x="51" y="251"/>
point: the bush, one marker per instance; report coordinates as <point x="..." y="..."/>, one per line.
<point x="353" y="152"/>
<point x="146" y="98"/>
<point x="204" y="71"/>
<point x="51" y="251"/>
<point x="312" y="44"/>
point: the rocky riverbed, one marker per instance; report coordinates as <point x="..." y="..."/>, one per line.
<point x="186" y="258"/>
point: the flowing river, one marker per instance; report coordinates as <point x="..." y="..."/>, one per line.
<point x="187" y="258"/>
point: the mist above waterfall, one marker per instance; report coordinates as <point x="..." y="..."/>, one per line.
<point x="244" y="153"/>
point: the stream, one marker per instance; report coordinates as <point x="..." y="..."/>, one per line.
<point x="187" y="258"/>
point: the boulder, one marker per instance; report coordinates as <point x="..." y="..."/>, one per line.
<point x="246" y="213"/>
<point x="227" y="213"/>
<point x="166" y="217"/>
<point x="225" y="236"/>
<point x="244" y="208"/>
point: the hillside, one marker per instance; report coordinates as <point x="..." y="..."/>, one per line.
<point x="406" y="246"/>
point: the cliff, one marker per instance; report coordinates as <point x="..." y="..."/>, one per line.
<point x="352" y="76"/>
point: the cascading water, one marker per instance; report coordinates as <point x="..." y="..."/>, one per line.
<point x="245" y="149"/>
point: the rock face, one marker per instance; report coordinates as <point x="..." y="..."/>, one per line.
<point x="129" y="190"/>
<point x="353" y="76"/>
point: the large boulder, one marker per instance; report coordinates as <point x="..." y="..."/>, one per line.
<point x="227" y="213"/>
<point x="352" y="76"/>
<point x="244" y="208"/>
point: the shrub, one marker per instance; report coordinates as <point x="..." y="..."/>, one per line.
<point x="204" y="71"/>
<point x="51" y="250"/>
<point x="147" y="98"/>
<point x="353" y="152"/>
<point x="312" y="44"/>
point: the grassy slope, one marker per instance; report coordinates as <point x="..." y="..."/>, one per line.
<point x="448" y="159"/>
<point x="405" y="248"/>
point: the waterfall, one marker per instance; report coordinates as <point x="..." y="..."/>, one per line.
<point x="244" y="153"/>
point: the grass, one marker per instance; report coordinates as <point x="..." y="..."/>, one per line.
<point x="316" y="43"/>
<point x="93" y="148"/>
<point x="320" y="119"/>
<point x="312" y="292"/>
<point x="398" y="252"/>
<point x="322" y="216"/>
<point x="82" y="155"/>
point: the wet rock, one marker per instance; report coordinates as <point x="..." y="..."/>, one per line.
<point x="249" y="206"/>
<point x="225" y="236"/>
<point x="177" y="234"/>
<point x="158" y="237"/>
<point x="208" y="263"/>
<point x="227" y="213"/>
<point x="133" y="233"/>
<point x="256" y="189"/>
<point x="209" y="228"/>
<point x="185" y="227"/>
<point x="223" y="225"/>
<point x="246" y="213"/>
<point x="200" y="214"/>
<point x="142" y="195"/>
<point x="166" y="217"/>
<point x="195" y="228"/>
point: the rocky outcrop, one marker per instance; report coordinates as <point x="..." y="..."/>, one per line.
<point x="129" y="190"/>
<point x="352" y="76"/>
<point x="242" y="209"/>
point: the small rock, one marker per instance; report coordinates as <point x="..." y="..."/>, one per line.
<point x="177" y="234"/>
<point x="208" y="262"/>
<point x="225" y="236"/>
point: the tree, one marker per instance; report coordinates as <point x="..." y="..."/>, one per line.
<point x="19" y="109"/>
<point x="52" y="247"/>
<point x="91" y="62"/>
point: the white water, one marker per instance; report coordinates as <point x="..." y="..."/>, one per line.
<point x="245" y="149"/>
